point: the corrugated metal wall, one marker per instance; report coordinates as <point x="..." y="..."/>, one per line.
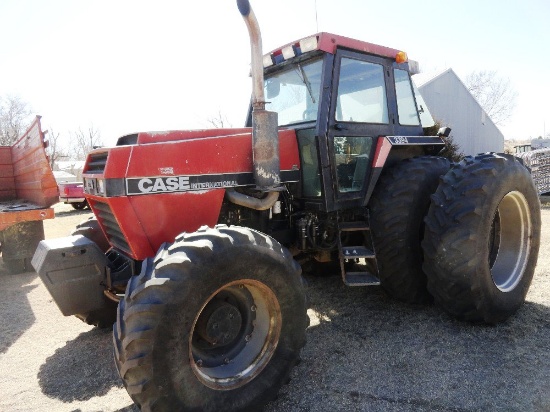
<point x="452" y="105"/>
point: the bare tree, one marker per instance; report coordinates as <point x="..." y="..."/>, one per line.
<point x="14" y="118"/>
<point x="494" y="93"/>
<point x="84" y="141"/>
<point x="219" y="121"/>
<point x="55" y="149"/>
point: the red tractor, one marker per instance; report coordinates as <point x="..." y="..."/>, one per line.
<point x="197" y="234"/>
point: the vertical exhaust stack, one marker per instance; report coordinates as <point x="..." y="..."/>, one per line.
<point x="265" y="133"/>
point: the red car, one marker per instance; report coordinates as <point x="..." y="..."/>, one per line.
<point x="73" y="193"/>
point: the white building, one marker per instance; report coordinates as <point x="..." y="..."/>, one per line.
<point x="73" y="167"/>
<point x="452" y="105"/>
<point x="63" y="177"/>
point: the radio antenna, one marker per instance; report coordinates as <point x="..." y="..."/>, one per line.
<point x="316" y="19"/>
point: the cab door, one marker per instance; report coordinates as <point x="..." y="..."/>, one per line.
<point x="361" y="110"/>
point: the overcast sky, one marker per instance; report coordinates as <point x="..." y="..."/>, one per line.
<point x="127" y="66"/>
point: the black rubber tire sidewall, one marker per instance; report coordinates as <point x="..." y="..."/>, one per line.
<point x="457" y="237"/>
<point x="106" y="316"/>
<point x="91" y="229"/>
<point x="398" y="207"/>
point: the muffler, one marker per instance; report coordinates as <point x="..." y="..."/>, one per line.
<point x="265" y="132"/>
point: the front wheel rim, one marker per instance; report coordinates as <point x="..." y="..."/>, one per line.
<point x="235" y="334"/>
<point x="510" y="243"/>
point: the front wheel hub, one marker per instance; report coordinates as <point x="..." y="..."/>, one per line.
<point x="235" y="334"/>
<point x="220" y="323"/>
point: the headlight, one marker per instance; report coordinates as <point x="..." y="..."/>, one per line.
<point x="101" y="187"/>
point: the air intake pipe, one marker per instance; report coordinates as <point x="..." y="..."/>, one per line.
<point x="265" y="133"/>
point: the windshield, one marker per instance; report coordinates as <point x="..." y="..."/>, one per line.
<point x="294" y="92"/>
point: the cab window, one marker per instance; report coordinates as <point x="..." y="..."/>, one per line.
<point x="352" y="162"/>
<point x="311" y="174"/>
<point x="406" y="106"/>
<point x="361" y="93"/>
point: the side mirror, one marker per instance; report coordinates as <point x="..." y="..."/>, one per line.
<point x="444" y="132"/>
<point x="273" y="88"/>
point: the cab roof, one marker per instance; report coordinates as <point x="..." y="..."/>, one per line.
<point x="329" y="43"/>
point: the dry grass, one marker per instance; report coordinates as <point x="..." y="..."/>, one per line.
<point x="365" y="352"/>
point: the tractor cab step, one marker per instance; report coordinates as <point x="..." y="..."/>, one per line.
<point x="361" y="279"/>
<point x="357" y="263"/>
<point x="356" y="252"/>
<point x="353" y="226"/>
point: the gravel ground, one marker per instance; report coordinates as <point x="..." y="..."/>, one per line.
<point x="365" y="352"/>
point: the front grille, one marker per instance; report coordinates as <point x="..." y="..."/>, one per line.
<point x="97" y="163"/>
<point x="110" y="225"/>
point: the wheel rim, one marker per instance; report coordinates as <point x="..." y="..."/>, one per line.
<point x="509" y="241"/>
<point x="235" y="334"/>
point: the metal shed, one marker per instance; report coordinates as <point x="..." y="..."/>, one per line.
<point x="451" y="104"/>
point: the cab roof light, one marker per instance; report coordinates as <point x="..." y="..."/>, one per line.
<point x="309" y="44"/>
<point x="293" y="50"/>
<point x="268" y="60"/>
<point x="277" y="57"/>
<point x="289" y="52"/>
<point x="401" y="57"/>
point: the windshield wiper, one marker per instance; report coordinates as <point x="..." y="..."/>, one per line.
<point x="305" y="80"/>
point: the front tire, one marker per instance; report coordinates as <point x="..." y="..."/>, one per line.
<point x="482" y="238"/>
<point x="91" y="229"/>
<point x="106" y="316"/>
<point x="215" y="321"/>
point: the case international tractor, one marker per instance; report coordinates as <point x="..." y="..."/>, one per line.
<point x="197" y="234"/>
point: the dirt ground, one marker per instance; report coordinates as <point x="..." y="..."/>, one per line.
<point x="365" y="352"/>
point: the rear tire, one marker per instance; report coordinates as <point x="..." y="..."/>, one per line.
<point x="398" y="207"/>
<point x="215" y="321"/>
<point x="482" y="238"/>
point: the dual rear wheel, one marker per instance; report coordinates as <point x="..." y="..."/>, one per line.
<point x="479" y="234"/>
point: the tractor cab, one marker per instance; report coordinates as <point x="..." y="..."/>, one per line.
<point x="343" y="97"/>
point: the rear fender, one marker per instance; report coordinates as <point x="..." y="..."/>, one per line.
<point x="390" y="149"/>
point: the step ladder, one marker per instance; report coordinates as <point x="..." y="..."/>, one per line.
<point x="362" y="274"/>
